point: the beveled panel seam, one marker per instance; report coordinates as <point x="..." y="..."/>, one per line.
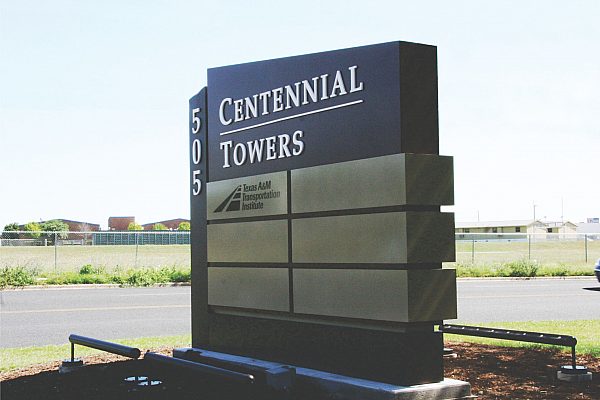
<point x="290" y="242"/>
<point x="247" y="265"/>
<point x="316" y="318"/>
<point x="331" y="213"/>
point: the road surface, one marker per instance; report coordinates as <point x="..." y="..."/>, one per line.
<point x="502" y="300"/>
<point x="47" y="316"/>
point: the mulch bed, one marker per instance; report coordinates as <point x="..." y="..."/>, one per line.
<point x="494" y="373"/>
<point x="519" y="373"/>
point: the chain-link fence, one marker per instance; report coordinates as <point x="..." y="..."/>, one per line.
<point x="69" y="251"/>
<point x="543" y="248"/>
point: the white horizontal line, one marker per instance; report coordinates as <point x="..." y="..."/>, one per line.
<point x="292" y="117"/>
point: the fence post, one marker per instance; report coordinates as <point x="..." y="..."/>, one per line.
<point x="136" y="249"/>
<point x="473" y="252"/>
<point x="586" y="250"/>
<point x="55" y="250"/>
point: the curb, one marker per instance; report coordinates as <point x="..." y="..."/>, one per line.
<point x="535" y="278"/>
<point x="92" y="286"/>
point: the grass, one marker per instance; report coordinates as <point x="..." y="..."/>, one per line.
<point x="71" y="258"/>
<point x="521" y="268"/>
<point x="16" y="358"/>
<point x="586" y="332"/>
<point x="88" y="274"/>
<point x="62" y="264"/>
<point x="551" y="255"/>
<point x="557" y="253"/>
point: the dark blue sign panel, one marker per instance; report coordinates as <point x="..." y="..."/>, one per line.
<point x="198" y="179"/>
<point x="322" y="108"/>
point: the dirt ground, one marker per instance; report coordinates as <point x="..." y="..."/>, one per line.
<point x="494" y="373"/>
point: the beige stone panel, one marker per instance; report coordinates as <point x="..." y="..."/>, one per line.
<point x="256" y="288"/>
<point x="252" y="242"/>
<point x="365" y="238"/>
<point x="430" y="237"/>
<point x="383" y="295"/>
<point x="398" y="179"/>
<point x="432" y="294"/>
<point x="397" y="237"/>
<point x="429" y="179"/>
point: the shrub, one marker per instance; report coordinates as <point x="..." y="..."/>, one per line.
<point x="16" y="276"/>
<point x="134" y="227"/>
<point x="183" y="226"/>
<point x="180" y="275"/>
<point x="559" y="271"/>
<point x="151" y="276"/>
<point x="141" y="277"/>
<point x="522" y="268"/>
<point x="88" y="269"/>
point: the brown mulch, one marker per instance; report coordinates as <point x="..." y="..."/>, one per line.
<point x="519" y="373"/>
<point x="493" y="372"/>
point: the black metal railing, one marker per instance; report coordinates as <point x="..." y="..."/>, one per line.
<point x="278" y="378"/>
<point x="198" y="367"/>
<point x="508" y="334"/>
<point x="109" y="347"/>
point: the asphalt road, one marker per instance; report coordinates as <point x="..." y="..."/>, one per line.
<point x="496" y="300"/>
<point x="47" y="316"/>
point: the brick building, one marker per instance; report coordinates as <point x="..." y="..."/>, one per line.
<point x="119" y="223"/>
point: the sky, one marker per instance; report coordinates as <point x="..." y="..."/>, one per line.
<point x="94" y="97"/>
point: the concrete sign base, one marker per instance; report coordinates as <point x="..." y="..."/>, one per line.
<point x="339" y="386"/>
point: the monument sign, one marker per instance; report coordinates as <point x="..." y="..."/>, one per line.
<point x="317" y="237"/>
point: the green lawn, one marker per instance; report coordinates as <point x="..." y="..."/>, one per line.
<point x="587" y="333"/>
<point x="16" y="358"/>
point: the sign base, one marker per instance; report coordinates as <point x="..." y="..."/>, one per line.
<point x="394" y="357"/>
<point x="318" y="384"/>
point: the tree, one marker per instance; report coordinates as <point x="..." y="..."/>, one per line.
<point x="34" y="229"/>
<point x="55" y="229"/>
<point x="160" y="227"/>
<point x="55" y="225"/>
<point x="134" y="227"/>
<point x="183" y="226"/>
<point x="12" y="227"/>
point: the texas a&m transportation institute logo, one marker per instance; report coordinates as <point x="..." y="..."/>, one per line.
<point x="249" y="197"/>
